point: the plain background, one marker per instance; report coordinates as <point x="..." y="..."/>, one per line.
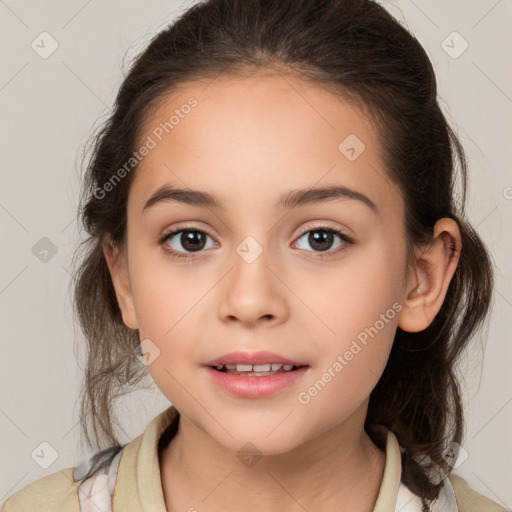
<point x="49" y="108"/>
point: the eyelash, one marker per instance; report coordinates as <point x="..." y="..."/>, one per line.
<point x="180" y="255"/>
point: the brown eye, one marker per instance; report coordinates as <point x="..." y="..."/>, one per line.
<point x="185" y="240"/>
<point x="321" y="239"/>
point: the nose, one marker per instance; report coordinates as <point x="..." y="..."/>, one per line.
<point x="253" y="291"/>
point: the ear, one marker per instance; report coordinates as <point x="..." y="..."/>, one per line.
<point x="429" y="279"/>
<point x="118" y="268"/>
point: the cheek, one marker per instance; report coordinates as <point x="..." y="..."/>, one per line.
<point x="169" y="301"/>
<point x="163" y="291"/>
<point x="353" y="293"/>
<point x="167" y="305"/>
<point x="356" y="308"/>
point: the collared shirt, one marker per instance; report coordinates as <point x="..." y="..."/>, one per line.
<point x="131" y="482"/>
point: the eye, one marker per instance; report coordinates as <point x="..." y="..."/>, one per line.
<point x="193" y="240"/>
<point x="321" y="239"/>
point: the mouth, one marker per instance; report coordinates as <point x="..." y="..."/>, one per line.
<point x="261" y="363"/>
<point x="256" y="381"/>
<point x="257" y="370"/>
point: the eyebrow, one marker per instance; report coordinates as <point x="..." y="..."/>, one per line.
<point x="292" y="199"/>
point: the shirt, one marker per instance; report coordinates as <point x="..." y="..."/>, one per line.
<point x="128" y="480"/>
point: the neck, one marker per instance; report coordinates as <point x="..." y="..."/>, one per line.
<point x="340" y="469"/>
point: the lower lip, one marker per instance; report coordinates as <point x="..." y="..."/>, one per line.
<point x="253" y="386"/>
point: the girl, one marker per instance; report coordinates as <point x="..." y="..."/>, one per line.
<point x="274" y="235"/>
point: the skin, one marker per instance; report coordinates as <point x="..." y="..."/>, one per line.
<point x="249" y="140"/>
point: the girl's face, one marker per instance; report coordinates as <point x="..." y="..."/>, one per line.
<point x="263" y="274"/>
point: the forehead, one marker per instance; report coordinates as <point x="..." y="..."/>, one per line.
<point x="265" y="134"/>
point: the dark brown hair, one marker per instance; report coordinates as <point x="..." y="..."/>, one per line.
<point x="357" y="50"/>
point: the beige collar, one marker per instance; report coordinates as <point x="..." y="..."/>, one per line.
<point x="139" y="486"/>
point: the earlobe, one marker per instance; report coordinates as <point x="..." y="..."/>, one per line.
<point x="118" y="268"/>
<point x="434" y="268"/>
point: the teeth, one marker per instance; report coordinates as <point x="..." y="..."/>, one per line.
<point x="243" y="367"/>
<point x="256" y="367"/>
<point x="261" y="367"/>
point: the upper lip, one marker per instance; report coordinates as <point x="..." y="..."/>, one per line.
<point x="253" y="358"/>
